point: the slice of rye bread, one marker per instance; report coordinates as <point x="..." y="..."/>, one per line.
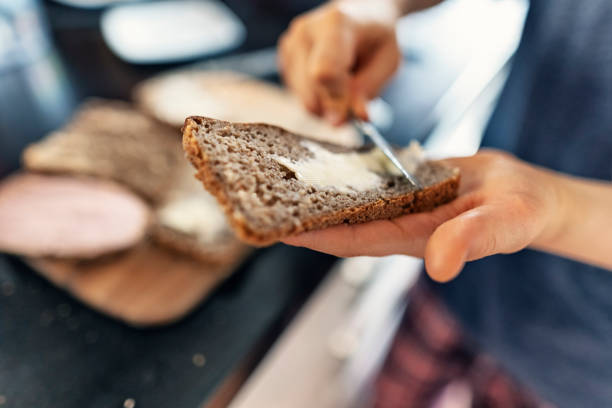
<point x="191" y="221"/>
<point x="223" y="249"/>
<point x="265" y="201"/>
<point x="235" y="97"/>
<point x="111" y="139"/>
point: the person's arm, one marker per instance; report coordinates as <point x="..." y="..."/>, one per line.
<point x="340" y="55"/>
<point x="504" y="205"/>
<point x="585" y="231"/>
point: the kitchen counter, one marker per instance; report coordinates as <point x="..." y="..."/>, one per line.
<point x="55" y="352"/>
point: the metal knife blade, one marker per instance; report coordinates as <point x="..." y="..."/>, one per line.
<point x="370" y="131"/>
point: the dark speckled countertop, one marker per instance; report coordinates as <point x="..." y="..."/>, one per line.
<point x="54" y="352"/>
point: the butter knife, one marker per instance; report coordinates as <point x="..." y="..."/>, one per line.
<point x="367" y="129"/>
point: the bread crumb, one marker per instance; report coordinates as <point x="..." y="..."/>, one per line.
<point x="198" y="360"/>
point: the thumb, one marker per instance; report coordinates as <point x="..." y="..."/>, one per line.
<point x="475" y="234"/>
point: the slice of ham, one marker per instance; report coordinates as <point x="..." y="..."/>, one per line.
<point x="61" y="216"/>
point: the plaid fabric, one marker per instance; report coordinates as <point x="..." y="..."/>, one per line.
<point x="430" y="352"/>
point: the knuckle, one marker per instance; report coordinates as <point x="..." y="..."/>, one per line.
<point x="496" y="159"/>
<point x="325" y="72"/>
<point x="322" y="73"/>
<point x="334" y="15"/>
<point x="495" y="155"/>
<point x="298" y="25"/>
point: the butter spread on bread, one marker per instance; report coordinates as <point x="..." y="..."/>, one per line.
<point x="348" y="171"/>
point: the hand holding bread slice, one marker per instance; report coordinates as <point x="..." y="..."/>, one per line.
<point x="273" y="183"/>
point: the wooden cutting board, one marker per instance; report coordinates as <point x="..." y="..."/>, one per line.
<point x="146" y="286"/>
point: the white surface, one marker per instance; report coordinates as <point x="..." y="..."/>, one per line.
<point x="7" y="36"/>
<point x="336" y="342"/>
<point x="459" y="40"/>
<point x="463" y="112"/>
<point x="169" y="31"/>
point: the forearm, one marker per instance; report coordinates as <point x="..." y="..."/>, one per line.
<point x="583" y="230"/>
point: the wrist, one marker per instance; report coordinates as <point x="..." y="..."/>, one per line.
<point x="562" y="196"/>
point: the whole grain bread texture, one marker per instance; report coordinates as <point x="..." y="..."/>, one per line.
<point x="265" y="201"/>
<point x="112" y="140"/>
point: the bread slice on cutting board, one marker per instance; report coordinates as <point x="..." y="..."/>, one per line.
<point x="235" y="97"/>
<point x="273" y="183"/>
<point x="111" y="140"/>
<point x="191" y="221"/>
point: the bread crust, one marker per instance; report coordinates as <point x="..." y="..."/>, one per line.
<point x="411" y="202"/>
